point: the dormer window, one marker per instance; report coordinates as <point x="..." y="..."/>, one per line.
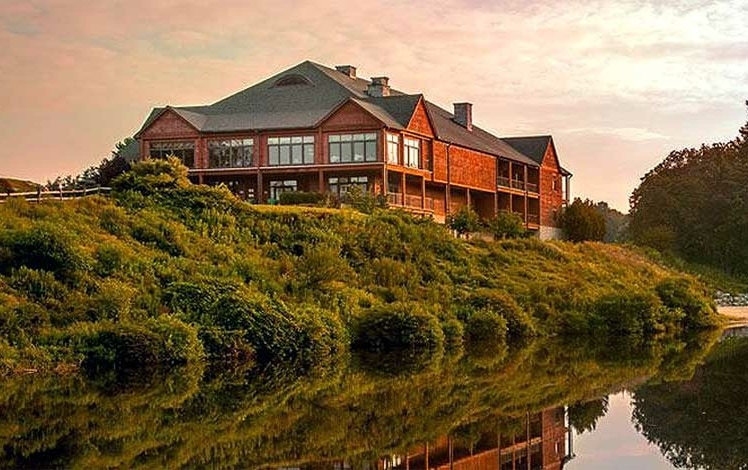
<point x="293" y="79"/>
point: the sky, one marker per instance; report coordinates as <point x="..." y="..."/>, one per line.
<point x="618" y="84"/>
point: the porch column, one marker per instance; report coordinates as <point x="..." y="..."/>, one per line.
<point x="260" y="193"/>
<point x="199" y="178"/>
<point x="527" y="204"/>
<point x="525" y="175"/>
<point x="468" y="197"/>
<point x="495" y="203"/>
<point x="423" y="192"/>
<point x="321" y="181"/>
<point x="385" y="183"/>
<point x="402" y="187"/>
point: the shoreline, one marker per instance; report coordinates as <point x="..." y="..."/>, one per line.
<point x="735" y="315"/>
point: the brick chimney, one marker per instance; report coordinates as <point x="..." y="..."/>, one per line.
<point x="379" y="87"/>
<point x="347" y="70"/>
<point x="464" y="115"/>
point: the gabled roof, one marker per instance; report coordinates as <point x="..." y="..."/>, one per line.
<point x="534" y="147"/>
<point x="314" y="94"/>
<point x="450" y="131"/>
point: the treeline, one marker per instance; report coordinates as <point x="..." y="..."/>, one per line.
<point x="169" y="272"/>
<point x="695" y="205"/>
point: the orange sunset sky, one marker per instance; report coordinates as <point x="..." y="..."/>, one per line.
<point x="618" y="84"/>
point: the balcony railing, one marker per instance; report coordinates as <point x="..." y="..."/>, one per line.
<point x="396" y="199"/>
<point x="503" y="181"/>
<point x="532" y="187"/>
<point x="533" y="219"/>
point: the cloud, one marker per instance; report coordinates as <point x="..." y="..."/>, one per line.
<point x="635" y="134"/>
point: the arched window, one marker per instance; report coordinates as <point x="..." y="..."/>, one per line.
<point x="291" y="80"/>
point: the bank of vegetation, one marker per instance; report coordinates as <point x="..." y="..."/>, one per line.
<point x="166" y="272"/>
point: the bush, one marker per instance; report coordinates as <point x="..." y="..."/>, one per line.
<point x="42" y="247"/>
<point x="291" y="198"/>
<point x="152" y="176"/>
<point x="400" y="325"/>
<point x="518" y="322"/>
<point x="486" y="326"/>
<point x="684" y="294"/>
<point x="163" y="340"/>
<point x="39" y="286"/>
<point x="629" y="314"/>
<point x="465" y="221"/>
<point x="506" y="225"/>
<point x="363" y="201"/>
<point x="454" y="332"/>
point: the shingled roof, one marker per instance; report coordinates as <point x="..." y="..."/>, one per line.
<point x="534" y="147"/>
<point x="313" y="94"/>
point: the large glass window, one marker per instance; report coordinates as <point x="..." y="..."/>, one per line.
<point x="298" y="150"/>
<point x="352" y="148"/>
<point x="393" y="149"/>
<point x="234" y="153"/>
<point x="341" y="184"/>
<point x="184" y="151"/>
<point x="278" y="187"/>
<point x="411" y="152"/>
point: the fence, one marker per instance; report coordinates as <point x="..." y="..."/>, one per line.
<point x="60" y="195"/>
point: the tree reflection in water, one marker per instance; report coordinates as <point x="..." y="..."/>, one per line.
<point x="703" y="422"/>
<point x="365" y="412"/>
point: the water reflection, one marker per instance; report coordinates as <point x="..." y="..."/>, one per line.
<point x="499" y="409"/>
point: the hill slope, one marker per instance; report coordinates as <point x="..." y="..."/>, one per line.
<point x="168" y="272"/>
<point x="11" y="185"/>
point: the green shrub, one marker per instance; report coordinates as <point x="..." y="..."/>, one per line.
<point x="221" y="344"/>
<point x="454" y="332"/>
<point x="363" y="201"/>
<point x="506" y="225"/>
<point x="38" y="286"/>
<point x="112" y="301"/>
<point x="684" y="294"/>
<point x="629" y="314"/>
<point x="110" y="259"/>
<point x="163" y="340"/>
<point x="486" y="326"/>
<point x="518" y="322"/>
<point x="152" y="176"/>
<point x="166" y="236"/>
<point x="291" y="198"/>
<point x="464" y="221"/>
<point x="401" y="325"/>
<point x="42" y="247"/>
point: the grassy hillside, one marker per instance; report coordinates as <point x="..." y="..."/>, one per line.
<point x="10" y="185"/>
<point x="168" y="272"/>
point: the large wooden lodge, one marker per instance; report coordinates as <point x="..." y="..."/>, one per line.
<point x="313" y="128"/>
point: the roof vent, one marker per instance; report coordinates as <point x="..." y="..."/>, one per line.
<point x="379" y="87"/>
<point x="347" y="70"/>
<point x="464" y="115"/>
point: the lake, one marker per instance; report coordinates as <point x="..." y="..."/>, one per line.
<point x="548" y="404"/>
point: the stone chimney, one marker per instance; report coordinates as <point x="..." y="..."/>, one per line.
<point x="464" y="115"/>
<point x="379" y="87"/>
<point x="347" y="70"/>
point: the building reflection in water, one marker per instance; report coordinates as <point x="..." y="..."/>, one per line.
<point x="544" y="443"/>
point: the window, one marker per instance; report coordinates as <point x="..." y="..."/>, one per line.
<point x="411" y="152"/>
<point x="184" y="151"/>
<point x="278" y="187"/>
<point x="297" y="150"/>
<point x="341" y="185"/>
<point x="230" y="153"/>
<point x="352" y="148"/>
<point x="393" y="148"/>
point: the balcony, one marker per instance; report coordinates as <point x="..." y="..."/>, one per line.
<point x="411" y="202"/>
<point x="533" y="219"/>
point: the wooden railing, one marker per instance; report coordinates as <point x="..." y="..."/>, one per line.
<point x="505" y="182"/>
<point x="533" y="218"/>
<point x="60" y="195"/>
<point x="396" y="199"/>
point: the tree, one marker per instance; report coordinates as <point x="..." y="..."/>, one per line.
<point x="464" y="221"/>
<point x="581" y="221"/>
<point x="506" y="225"/>
<point x="695" y="204"/>
<point x="616" y="223"/>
